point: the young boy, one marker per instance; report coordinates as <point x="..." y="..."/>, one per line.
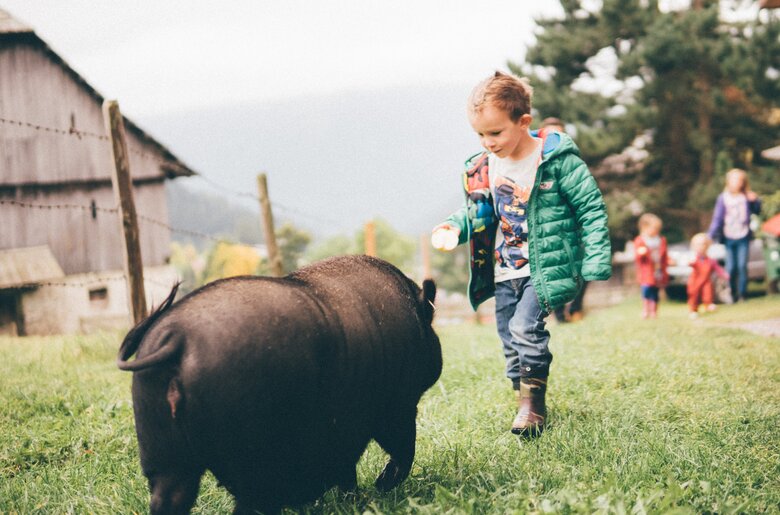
<point x="537" y="226"/>
<point x="652" y="261"/>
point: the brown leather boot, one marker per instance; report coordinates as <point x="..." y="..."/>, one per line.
<point x="529" y="421"/>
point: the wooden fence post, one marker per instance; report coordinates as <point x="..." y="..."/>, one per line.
<point x="268" y="227"/>
<point x="370" y="239"/>
<point x="123" y="192"/>
<point x="425" y="248"/>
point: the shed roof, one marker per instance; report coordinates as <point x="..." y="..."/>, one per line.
<point x="28" y="266"/>
<point x="12" y="29"/>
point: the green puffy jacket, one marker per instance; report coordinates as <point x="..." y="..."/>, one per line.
<point x="568" y="239"/>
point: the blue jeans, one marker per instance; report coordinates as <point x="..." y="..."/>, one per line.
<point x="521" y="326"/>
<point x="736" y="266"/>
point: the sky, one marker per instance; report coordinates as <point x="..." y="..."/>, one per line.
<point x="159" y="57"/>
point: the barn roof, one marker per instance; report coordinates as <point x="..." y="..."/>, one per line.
<point x="27" y="267"/>
<point x="12" y="29"/>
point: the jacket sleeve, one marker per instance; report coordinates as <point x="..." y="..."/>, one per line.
<point x="664" y="265"/>
<point x="755" y="206"/>
<point x="719" y="270"/>
<point x="457" y="220"/>
<point x="640" y="251"/>
<point x="716" y="226"/>
<point x="579" y="189"/>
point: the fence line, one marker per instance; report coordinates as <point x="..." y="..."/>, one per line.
<point x="31" y="205"/>
<point x="79" y="133"/>
<point x="225" y="189"/>
<point x="65" y="132"/>
<point x="146" y="155"/>
<point x="189" y="232"/>
<point x="145" y="218"/>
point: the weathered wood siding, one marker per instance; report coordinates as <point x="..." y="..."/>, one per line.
<point x="80" y="242"/>
<point x="49" y="168"/>
<point x="35" y="89"/>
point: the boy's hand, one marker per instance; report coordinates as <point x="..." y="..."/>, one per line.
<point x="641" y="251"/>
<point x="445" y="237"/>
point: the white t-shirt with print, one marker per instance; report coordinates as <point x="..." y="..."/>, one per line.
<point x="511" y="183"/>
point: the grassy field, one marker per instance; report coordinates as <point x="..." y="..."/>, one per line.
<point x="670" y="415"/>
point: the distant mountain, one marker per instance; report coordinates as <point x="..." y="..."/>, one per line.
<point x="198" y="212"/>
<point x="333" y="162"/>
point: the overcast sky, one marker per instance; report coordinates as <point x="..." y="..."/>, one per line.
<point x="158" y="57"/>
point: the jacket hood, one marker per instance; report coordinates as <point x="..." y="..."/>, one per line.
<point x="557" y="143"/>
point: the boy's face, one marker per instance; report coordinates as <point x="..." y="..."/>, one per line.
<point x="498" y="133"/>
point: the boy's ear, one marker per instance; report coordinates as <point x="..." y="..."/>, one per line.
<point x="526" y="120"/>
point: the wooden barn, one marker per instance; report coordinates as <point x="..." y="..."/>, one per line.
<point x="61" y="266"/>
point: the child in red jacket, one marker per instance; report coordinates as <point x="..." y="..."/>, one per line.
<point x="651" y="262"/>
<point x="700" y="281"/>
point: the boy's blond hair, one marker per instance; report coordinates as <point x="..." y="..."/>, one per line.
<point x="506" y="92"/>
<point x="647" y="220"/>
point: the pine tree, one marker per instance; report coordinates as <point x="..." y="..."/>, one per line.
<point x="705" y="90"/>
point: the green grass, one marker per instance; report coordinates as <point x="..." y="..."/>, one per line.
<point x="655" y="416"/>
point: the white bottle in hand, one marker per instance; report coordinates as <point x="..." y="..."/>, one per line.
<point x="444" y="238"/>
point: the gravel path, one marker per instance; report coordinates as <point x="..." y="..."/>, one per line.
<point x="769" y="327"/>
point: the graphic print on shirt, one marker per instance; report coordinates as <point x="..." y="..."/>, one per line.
<point x="511" y="203"/>
<point x="735" y="222"/>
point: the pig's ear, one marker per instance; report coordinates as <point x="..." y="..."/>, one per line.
<point x="427" y="296"/>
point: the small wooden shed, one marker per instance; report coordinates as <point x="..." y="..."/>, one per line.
<point x="53" y="152"/>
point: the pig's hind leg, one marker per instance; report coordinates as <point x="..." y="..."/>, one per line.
<point x="396" y="436"/>
<point x="166" y="457"/>
<point x="173" y="492"/>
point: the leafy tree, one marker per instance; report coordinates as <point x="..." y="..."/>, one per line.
<point x="184" y="259"/>
<point x="391" y="245"/>
<point x="704" y="89"/>
<point x="292" y="244"/>
<point x="229" y="260"/>
<point x="336" y="246"/>
<point x="450" y="270"/>
<point x="399" y="249"/>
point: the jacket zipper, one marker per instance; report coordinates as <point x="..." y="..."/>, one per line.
<point x="532" y="213"/>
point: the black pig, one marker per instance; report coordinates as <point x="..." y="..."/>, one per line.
<point x="277" y="385"/>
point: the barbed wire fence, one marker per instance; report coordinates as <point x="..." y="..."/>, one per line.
<point x="92" y="209"/>
<point x="165" y="163"/>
